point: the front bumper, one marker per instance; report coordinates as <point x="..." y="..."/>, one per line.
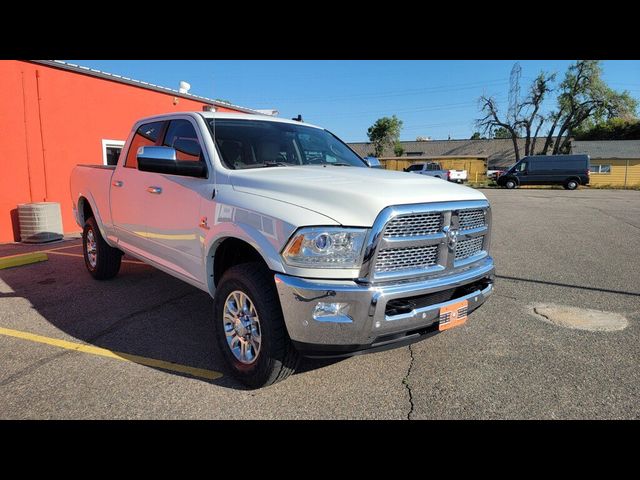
<point x="372" y="323"/>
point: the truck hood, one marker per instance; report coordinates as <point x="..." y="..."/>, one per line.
<point x="352" y="196"/>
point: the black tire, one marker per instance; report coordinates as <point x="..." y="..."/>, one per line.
<point x="510" y="184"/>
<point x="108" y="259"/>
<point x="571" y="184"/>
<point x="277" y="358"/>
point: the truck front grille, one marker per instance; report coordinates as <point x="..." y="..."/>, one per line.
<point x="468" y="248"/>
<point x="394" y="259"/>
<point x="418" y="240"/>
<point x="470" y="219"/>
<point x="414" y="225"/>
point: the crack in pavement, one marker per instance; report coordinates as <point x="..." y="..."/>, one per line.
<point x="405" y="381"/>
<point x="114" y="326"/>
<point x="535" y="310"/>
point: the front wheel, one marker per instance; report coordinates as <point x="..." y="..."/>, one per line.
<point x="510" y="184"/>
<point x="249" y="326"/>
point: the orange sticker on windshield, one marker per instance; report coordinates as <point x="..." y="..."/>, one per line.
<point x="453" y="315"/>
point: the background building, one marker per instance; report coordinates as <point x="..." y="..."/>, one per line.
<point x="57" y="115"/>
<point x="496" y="152"/>
<point x="614" y="163"/>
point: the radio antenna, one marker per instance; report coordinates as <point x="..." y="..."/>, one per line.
<point x="213" y="90"/>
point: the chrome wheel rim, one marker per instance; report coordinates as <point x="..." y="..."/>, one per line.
<point x="91" y="249"/>
<point x="242" y="327"/>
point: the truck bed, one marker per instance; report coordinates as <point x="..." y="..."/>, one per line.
<point x="94" y="183"/>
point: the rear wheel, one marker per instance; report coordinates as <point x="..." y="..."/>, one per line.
<point x="102" y="261"/>
<point x="250" y="328"/>
<point x="571" y="184"/>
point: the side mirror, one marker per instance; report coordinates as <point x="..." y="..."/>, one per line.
<point x="163" y="160"/>
<point x="372" y="162"/>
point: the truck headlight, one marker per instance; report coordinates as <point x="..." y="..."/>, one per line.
<point x="319" y="247"/>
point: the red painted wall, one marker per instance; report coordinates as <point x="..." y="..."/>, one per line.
<point x="52" y="120"/>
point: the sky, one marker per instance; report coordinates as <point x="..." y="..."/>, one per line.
<point x="433" y="98"/>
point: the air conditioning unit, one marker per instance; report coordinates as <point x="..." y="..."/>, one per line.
<point x="40" y="222"/>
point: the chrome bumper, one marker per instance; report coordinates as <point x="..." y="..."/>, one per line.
<point x="366" y="325"/>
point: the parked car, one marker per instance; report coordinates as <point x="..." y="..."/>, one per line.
<point x="304" y="249"/>
<point x="494" y="174"/>
<point x="434" y="169"/>
<point x="570" y="171"/>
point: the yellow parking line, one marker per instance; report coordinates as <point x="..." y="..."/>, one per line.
<point x="22" y="259"/>
<point x="63" y="248"/>
<point x="103" y="352"/>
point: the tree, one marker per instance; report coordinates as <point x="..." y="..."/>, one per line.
<point x="475" y="136"/>
<point x="398" y="149"/>
<point x="523" y="115"/>
<point x="611" y="129"/>
<point x="584" y="95"/>
<point x="501" y="132"/>
<point x="384" y="132"/>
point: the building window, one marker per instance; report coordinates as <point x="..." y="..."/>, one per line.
<point x="600" y="168"/>
<point x="111" y="151"/>
<point x="414" y="154"/>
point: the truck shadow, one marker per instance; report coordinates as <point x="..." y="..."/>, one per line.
<point x="143" y="312"/>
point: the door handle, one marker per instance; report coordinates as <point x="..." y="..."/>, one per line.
<point x="156" y="190"/>
<point x="117" y="183"/>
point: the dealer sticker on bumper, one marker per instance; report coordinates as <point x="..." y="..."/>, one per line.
<point x="453" y="315"/>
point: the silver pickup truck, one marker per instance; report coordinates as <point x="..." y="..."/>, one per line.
<point x="305" y="250"/>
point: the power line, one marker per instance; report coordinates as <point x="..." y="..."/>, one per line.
<point x="370" y="95"/>
<point x="382" y="111"/>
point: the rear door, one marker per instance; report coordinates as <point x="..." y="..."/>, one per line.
<point x="128" y="194"/>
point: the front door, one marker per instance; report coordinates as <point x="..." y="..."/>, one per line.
<point x="522" y="173"/>
<point x="173" y="207"/>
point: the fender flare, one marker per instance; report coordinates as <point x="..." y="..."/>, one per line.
<point x="96" y="213"/>
<point x="265" y="247"/>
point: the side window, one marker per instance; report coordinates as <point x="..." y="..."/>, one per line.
<point x="522" y="166"/>
<point x="145" y="136"/>
<point x="182" y="136"/>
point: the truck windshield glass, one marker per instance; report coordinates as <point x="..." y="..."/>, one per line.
<point x="255" y="144"/>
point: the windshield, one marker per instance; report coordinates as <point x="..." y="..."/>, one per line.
<point x="255" y="144"/>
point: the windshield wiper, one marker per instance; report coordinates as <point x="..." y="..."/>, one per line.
<point x="275" y="164"/>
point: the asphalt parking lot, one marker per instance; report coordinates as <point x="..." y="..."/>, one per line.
<point x="577" y="248"/>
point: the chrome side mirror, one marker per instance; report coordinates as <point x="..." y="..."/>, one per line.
<point x="372" y="162"/>
<point x="164" y="160"/>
